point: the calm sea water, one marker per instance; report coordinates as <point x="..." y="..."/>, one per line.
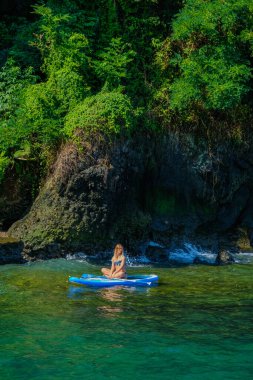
<point x="197" y="324"/>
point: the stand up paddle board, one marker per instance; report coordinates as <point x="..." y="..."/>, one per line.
<point x="102" y="281"/>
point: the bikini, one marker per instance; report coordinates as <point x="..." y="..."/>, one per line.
<point x="118" y="262"/>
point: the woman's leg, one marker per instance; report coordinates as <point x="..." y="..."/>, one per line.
<point x="106" y="272"/>
<point x="120" y="274"/>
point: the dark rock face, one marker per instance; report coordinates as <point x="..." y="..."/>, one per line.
<point x="229" y="212"/>
<point x="15" y="199"/>
<point x="166" y="189"/>
<point x="11" y="251"/>
<point x="80" y="205"/>
<point x="224" y="257"/>
<point x="156" y="253"/>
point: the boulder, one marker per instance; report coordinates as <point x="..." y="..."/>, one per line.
<point x="156" y="252"/>
<point x="11" y="251"/>
<point x="224" y="257"/>
<point x="81" y="203"/>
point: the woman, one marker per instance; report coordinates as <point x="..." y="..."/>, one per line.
<point x="118" y="268"/>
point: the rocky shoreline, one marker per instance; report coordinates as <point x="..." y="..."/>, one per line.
<point x="13" y="251"/>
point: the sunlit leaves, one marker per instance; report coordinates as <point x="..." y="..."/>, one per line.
<point x="211" y="58"/>
<point x="113" y="62"/>
<point x="109" y="112"/>
<point x="12" y="81"/>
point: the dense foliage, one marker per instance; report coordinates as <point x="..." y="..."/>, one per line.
<point x="214" y="40"/>
<point x="119" y="65"/>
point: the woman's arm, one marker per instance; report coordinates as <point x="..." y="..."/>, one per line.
<point x="112" y="268"/>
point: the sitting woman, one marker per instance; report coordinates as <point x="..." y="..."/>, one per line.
<point x="118" y="268"/>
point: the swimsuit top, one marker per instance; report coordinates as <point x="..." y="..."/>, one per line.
<point x="117" y="262"/>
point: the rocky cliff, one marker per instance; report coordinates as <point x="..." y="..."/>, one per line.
<point x="167" y="189"/>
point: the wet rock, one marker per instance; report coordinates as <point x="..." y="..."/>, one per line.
<point x="153" y="252"/>
<point x="156" y="252"/>
<point x="224" y="257"/>
<point x="11" y="251"/>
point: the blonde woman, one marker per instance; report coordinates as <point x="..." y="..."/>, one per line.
<point x="118" y="267"/>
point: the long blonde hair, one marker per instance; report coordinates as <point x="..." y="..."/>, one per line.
<point x="116" y="248"/>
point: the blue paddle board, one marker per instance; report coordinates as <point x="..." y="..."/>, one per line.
<point x="102" y="281"/>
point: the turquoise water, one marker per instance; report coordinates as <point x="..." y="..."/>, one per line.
<point x="197" y="324"/>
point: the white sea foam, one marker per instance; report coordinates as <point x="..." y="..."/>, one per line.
<point x="77" y="256"/>
<point x="191" y="253"/>
<point x="244" y="257"/>
<point x="188" y="254"/>
<point x="137" y="261"/>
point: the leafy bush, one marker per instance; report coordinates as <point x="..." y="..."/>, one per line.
<point x="12" y="82"/>
<point x="113" y="62"/>
<point x="209" y="54"/>
<point x="215" y="77"/>
<point x="32" y="114"/>
<point x="108" y="112"/>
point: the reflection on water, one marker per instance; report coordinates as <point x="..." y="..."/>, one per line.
<point x="78" y="292"/>
<point x="114" y="293"/>
<point x="107" y="299"/>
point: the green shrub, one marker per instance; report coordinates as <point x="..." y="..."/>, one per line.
<point x="12" y="82"/>
<point x="215" y="77"/>
<point x="207" y="59"/>
<point x="113" y="63"/>
<point x="108" y="112"/>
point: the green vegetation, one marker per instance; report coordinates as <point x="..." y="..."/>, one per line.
<point x="214" y="54"/>
<point x="108" y="112"/>
<point x="120" y="67"/>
